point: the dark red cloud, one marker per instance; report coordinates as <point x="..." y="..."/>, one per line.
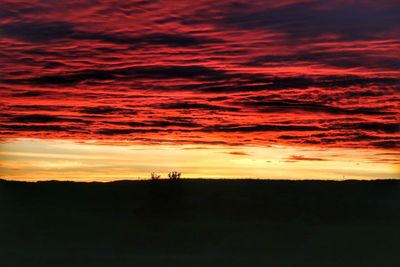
<point x="303" y="158"/>
<point x="210" y="72"/>
<point x="239" y="153"/>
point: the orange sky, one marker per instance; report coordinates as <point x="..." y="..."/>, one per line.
<point x="29" y="159"/>
<point x="295" y="89"/>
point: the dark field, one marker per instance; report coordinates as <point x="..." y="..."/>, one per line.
<point x="200" y="223"/>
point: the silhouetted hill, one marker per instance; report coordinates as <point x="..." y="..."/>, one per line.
<point x="200" y="223"/>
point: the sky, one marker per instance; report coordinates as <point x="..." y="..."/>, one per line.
<point x="106" y="90"/>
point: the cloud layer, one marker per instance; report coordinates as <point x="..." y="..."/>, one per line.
<point x="211" y="72"/>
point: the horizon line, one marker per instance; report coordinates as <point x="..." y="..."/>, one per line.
<point x="199" y="178"/>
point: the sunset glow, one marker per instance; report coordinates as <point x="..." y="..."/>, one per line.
<point x="67" y="160"/>
<point x="107" y="90"/>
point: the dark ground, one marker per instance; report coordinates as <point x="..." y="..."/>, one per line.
<point x="200" y="223"/>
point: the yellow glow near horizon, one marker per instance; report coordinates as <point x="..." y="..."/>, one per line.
<point x="34" y="160"/>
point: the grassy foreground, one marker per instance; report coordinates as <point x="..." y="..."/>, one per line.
<point x="200" y="223"/>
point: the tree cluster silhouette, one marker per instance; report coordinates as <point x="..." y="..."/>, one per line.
<point x="154" y="176"/>
<point x="173" y="175"/>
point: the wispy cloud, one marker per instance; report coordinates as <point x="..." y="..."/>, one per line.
<point x="304" y="158"/>
<point x="228" y="72"/>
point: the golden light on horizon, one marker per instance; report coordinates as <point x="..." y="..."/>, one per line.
<point x="33" y="160"/>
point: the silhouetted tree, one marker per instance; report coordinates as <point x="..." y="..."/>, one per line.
<point x="174" y="175"/>
<point x="155" y="176"/>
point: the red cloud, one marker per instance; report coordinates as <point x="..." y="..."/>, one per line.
<point x="228" y="72"/>
<point x="239" y="153"/>
<point x="304" y="158"/>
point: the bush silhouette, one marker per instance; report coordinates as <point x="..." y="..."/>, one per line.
<point x="154" y="176"/>
<point x="174" y="175"/>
